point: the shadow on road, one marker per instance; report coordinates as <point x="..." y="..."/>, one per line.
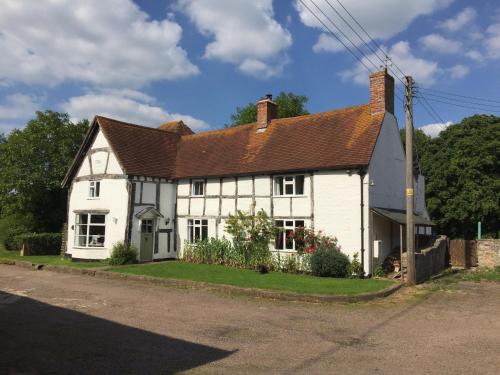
<point x="37" y="338"/>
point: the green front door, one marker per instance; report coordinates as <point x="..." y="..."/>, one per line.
<point x="147" y="240"/>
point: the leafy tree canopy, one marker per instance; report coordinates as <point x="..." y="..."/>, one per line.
<point x="289" y="105"/>
<point x="462" y="173"/>
<point x="33" y="163"/>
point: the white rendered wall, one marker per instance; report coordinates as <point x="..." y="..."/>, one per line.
<point x="387" y="168"/>
<point x="113" y="198"/>
<point x="337" y="210"/>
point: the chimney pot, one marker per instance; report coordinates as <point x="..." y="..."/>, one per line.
<point x="381" y="92"/>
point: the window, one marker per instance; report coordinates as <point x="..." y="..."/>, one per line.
<point x="285" y="227"/>
<point x="94" y="189"/>
<point x="197" y="187"/>
<point x="90" y="230"/>
<point x="289" y="185"/>
<point x="197" y="230"/>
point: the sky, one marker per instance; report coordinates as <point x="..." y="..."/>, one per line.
<point x="153" y="61"/>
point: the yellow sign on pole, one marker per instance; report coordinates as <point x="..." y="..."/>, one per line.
<point x="409" y="192"/>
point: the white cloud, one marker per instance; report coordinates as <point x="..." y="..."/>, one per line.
<point x="327" y="43"/>
<point x="462" y="19"/>
<point x="244" y="33"/>
<point x="18" y="106"/>
<point x="382" y="19"/>
<point x="475" y="55"/>
<point x="126" y="105"/>
<point x="458" y="71"/>
<point x="6" y="128"/>
<point x="492" y="42"/>
<point x="433" y="130"/>
<point x="107" y="43"/>
<point x="423" y="71"/>
<point x="439" y="44"/>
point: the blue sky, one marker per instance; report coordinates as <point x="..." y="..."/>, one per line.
<point x="153" y="61"/>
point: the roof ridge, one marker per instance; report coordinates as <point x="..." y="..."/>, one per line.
<point x="252" y="124"/>
<point x="131" y="124"/>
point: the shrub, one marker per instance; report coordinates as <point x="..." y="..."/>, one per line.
<point x="12" y="226"/>
<point x="213" y="251"/>
<point x="378" y="271"/>
<point x="355" y="270"/>
<point x="123" y="254"/>
<point x="39" y="243"/>
<point x="329" y="262"/>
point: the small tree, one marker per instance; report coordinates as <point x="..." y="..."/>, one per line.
<point x="251" y="236"/>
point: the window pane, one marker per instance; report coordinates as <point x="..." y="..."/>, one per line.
<point x="197" y="234"/>
<point x="289" y="240"/>
<point x="80" y="240"/>
<point x="279" y="185"/>
<point x="289" y="189"/>
<point x="81" y="229"/>
<point x="289" y="223"/>
<point x="299" y="184"/>
<point x="204" y="232"/>
<point x="204" y="222"/>
<point x="97" y="219"/>
<point x="190" y="231"/>
<point x="96" y="235"/>
<point x="299" y="223"/>
<point x="97" y="188"/>
<point x="278" y="244"/>
<point x="289" y="178"/>
<point x="279" y="223"/>
<point x="81" y="219"/>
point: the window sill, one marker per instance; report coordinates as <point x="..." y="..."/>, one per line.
<point x="93" y="199"/>
<point x="290" y="196"/>
<point x="89" y="248"/>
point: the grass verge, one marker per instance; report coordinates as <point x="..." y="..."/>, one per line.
<point x="279" y="281"/>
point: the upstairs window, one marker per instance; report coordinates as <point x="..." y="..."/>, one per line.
<point x="289" y="185"/>
<point x="198" y="187"/>
<point x="94" y="189"/>
<point x="197" y="230"/>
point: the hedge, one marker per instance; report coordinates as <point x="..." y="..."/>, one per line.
<point x="40" y="243"/>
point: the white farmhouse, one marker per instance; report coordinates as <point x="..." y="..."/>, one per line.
<point x="342" y="172"/>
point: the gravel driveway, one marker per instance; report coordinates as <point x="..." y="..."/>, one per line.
<point x="69" y="324"/>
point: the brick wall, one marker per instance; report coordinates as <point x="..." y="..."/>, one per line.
<point x="488" y="253"/>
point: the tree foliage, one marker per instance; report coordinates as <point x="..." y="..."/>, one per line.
<point x="33" y="163"/>
<point x="289" y="105"/>
<point x="461" y="169"/>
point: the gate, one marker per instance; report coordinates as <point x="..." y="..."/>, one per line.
<point x="463" y="253"/>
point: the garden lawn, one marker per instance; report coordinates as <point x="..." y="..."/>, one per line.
<point x="46" y="259"/>
<point x="251" y="279"/>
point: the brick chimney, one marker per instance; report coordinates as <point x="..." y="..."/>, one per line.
<point x="266" y="111"/>
<point x="381" y="92"/>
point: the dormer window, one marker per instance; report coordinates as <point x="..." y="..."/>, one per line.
<point x="289" y="185"/>
<point x="198" y="187"/>
<point x="94" y="189"/>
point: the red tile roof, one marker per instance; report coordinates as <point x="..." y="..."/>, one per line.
<point x="343" y="138"/>
<point x="140" y="150"/>
<point x="330" y="140"/>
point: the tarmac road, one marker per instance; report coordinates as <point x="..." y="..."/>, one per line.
<point x="52" y="323"/>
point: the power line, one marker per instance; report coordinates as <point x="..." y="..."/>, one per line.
<point x="462" y="96"/>
<point x="461" y="105"/>
<point x="450" y="98"/>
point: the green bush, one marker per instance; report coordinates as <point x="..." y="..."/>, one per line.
<point x="355" y="269"/>
<point x="213" y="251"/>
<point x="378" y="271"/>
<point x="39" y="243"/>
<point x="123" y="254"/>
<point x="329" y="262"/>
<point x="12" y="226"/>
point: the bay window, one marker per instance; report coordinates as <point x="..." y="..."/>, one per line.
<point x="90" y="230"/>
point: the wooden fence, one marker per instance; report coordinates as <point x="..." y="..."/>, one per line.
<point x="463" y="253"/>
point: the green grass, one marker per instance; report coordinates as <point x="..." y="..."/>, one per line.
<point x="477" y="275"/>
<point x="251" y="279"/>
<point x="45" y="259"/>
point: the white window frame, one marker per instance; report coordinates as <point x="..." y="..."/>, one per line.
<point x="196" y="183"/>
<point x="88" y="243"/>
<point x="287" y="227"/>
<point x="94" y="189"/>
<point x="199" y="224"/>
<point x="289" y="181"/>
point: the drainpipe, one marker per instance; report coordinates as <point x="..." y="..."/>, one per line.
<point x="362" y="173"/>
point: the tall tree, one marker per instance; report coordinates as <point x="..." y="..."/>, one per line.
<point x="462" y="172"/>
<point x="34" y="161"/>
<point x="289" y="105"/>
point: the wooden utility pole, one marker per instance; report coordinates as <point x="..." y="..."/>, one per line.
<point x="411" y="275"/>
